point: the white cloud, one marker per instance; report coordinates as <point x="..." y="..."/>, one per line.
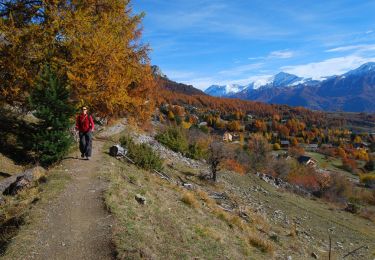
<point x="329" y="67"/>
<point x="236" y="71"/>
<point x="359" y="48"/>
<point x="281" y="54"/>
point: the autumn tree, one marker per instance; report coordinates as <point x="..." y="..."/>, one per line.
<point x="259" y="149"/>
<point x="28" y="40"/>
<point x="216" y="154"/>
<point x="94" y="42"/>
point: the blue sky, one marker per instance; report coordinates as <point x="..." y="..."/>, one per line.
<point x="205" y="42"/>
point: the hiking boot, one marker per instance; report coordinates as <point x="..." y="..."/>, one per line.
<point x="82" y="155"/>
<point x="88" y="157"/>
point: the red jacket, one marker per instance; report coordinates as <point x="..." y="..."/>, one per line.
<point x="84" y="123"/>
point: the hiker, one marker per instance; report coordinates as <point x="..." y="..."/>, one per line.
<point x="85" y="126"/>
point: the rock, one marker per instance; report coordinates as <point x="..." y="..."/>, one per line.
<point x="314" y="255"/>
<point x="2" y="200"/>
<point x="20" y="183"/>
<point x="352" y="208"/>
<point x="188" y="186"/>
<point x="117" y="150"/>
<point x="140" y="199"/>
<point x="23" y="178"/>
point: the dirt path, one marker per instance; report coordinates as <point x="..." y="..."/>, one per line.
<point x="76" y="224"/>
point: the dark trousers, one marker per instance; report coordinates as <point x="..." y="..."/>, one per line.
<point x="85" y="143"/>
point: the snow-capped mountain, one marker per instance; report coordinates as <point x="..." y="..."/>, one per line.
<point x="225" y="90"/>
<point x="281" y="79"/>
<point x="353" y="91"/>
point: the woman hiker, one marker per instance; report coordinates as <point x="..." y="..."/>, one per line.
<point x="85" y="126"/>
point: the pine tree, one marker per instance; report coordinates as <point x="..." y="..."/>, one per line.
<point x="50" y="100"/>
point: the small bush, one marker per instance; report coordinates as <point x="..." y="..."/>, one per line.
<point x="189" y="199"/>
<point x="142" y="154"/>
<point x="261" y="243"/>
<point x="340" y="188"/>
<point x="367" y="179"/>
<point x="276" y="146"/>
<point x="175" y="139"/>
<point x="349" y="165"/>
<point x="233" y="165"/>
<point x="196" y="152"/>
<point x="305" y="177"/>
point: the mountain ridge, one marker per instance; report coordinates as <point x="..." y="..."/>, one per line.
<point x="353" y="91"/>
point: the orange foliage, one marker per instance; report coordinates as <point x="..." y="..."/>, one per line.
<point x="260" y="126"/>
<point x="95" y="44"/>
<point x="296" y="151"/>
<point x="305" y="178"/>
<point x="349" y="164"/>
<point x="233" y="165"/>
<point x="234" y="126"/>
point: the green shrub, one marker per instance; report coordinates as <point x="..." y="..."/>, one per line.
<point x="367" y="179"/>
<point x="196" y="152"/>
<point x="175" y="139"/>
<point x="142" y="154"/>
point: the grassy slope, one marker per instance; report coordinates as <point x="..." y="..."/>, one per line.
<point x="312" y="218"/>
<point x="168" y="228"/>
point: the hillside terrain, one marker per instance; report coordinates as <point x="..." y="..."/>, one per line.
<point x="240" y="216"/>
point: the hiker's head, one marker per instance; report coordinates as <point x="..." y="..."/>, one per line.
<point x="84" y="110"/>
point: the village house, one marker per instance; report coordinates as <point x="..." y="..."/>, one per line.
<point x="307" y="160"/>
<point x="227" y="137"/>
<point x="363" y="145"/>
<point x="202" y="124"/>
<point x="284" y="143"/>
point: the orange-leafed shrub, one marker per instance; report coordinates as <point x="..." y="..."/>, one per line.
<point x="341" y="152"/>
<point x="349" y="164"/>
<point x="233" y="165"/>
<point x="307" y="180"/>
<point x="296" y="151"/>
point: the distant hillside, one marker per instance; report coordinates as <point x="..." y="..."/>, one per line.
<point x="353" y="91"/>
<point x="170" y="85"/>
<point x="167" y="84"/>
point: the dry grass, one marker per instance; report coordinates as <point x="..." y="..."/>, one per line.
<point x="293" y="231"/>
<point x="208" y="232"/>
<point x="211" y="203"/>
<point x="190" y="199"/>
<point x="170" y="226"/>
<point x="8" y="167"/>
<point x="17" y="210"/>
<point x="263" y="244"/>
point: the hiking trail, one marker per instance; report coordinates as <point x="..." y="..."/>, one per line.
<point x="76" y="224"/>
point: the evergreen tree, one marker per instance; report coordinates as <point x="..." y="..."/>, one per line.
<point x="50" y="100"/>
